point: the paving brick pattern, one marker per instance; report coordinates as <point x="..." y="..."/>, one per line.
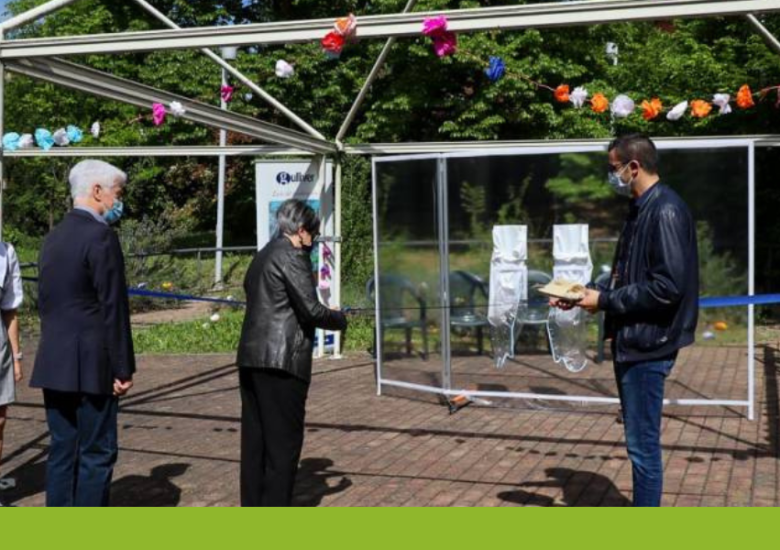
<point x="179" y="439"/>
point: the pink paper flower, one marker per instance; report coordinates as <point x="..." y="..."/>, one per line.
<point x="435" y="26"/>
<point x="158" y="114"/>
<point x="445" y="44"/>
<point x="227" y="93"/>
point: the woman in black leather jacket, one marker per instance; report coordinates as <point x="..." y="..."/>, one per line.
<point x="275" y="356"/>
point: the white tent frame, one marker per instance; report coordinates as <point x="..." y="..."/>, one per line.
<point x="37" y="57"/>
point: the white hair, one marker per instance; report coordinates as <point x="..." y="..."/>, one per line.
<point x="90" y="172"/>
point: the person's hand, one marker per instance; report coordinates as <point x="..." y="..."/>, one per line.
<point x="590" y="302"/>
<point x="122" y="387"/>
<point x="565" y="305"/>
<point x="18" y="373"/>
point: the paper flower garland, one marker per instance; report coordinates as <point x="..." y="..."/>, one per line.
<point x="44" y="139"/>
<point x="226" y="93"/>
<point x="622" y="106"/>
<point x="177" y="109"/>
<point x="678" y="111"/>
<point x="284" y="69"/>
<point x="578" y="97"/>
<point x="11" y="141"/>
<point x="700" y="108"/>
<point x="61" y="138"/>
<point x="75" y="135"/>
<point x="333" y="44"/>
<point x="444" y="42"/>
<point x="496" y="70"/>
<point x="599" y="103"/>
<point x="345" y="29"/>
<point x="722" y="102"/>
<point x="346" y="26"/>
<point x="158" y="114"/>
<point x="745" y="98"/>
<point x="561" y="94"/>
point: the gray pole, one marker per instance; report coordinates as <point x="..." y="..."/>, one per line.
<point x="221" y="195"/>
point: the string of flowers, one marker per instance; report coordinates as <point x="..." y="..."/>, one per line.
<point x="445" y="44"/>
<point x="46" y="139"/>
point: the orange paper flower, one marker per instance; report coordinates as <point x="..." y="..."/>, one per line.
<point x="745" y="98"/>
<point x="599" y="103"/>
<point x="700" y="108"/>
<point x="562" y="93"/>
<point x="652" y="108"/>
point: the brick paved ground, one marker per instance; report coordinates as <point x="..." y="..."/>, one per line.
<point x="180" y="441"/>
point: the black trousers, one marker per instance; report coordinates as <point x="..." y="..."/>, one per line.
<point x="83" y="448"/>
<point x="273" y="410"/>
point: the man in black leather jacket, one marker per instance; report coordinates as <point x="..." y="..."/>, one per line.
<point x="650" y="304"/>
<point x="275" y="356"/>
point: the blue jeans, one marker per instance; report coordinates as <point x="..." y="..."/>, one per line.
<point x="83" y="448"/>
<point x="641" y="389"/>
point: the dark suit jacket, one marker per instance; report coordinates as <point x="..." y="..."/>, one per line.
<point x="86" y="341"/>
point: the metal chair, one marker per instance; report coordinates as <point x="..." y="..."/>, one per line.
<point x="394" y="314"/>
<point x="464" y="312"/>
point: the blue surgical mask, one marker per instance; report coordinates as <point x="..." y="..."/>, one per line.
<point x="113" y="215"/>
<point x="618" y="185"/>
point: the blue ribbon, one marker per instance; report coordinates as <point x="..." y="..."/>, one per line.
<point x="705" y="303"/>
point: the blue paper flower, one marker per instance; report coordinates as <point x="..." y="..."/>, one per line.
<point x="11" y="141"/>
<point x="44" y="139"/>
<point x="75" y="134"/>
<point x="496" y="70"/>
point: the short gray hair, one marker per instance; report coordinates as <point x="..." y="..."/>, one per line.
<point x="295" y="214"/>
<point x="89" y="172"/>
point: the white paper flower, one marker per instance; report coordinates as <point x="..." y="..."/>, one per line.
<point x="61" y="137"/>
<point x="95" y="130"/>
<point x="678" y="111"/>
<point x="177" y="109"/>
<point x="26" y="141"/>
<point x="214" y="318"/>
<point x="578" y="97"/>
<point x="722" y="101"/>
<point x="622" y="106"/>
<point x="284" y="69"/>
<point x="249" y="97"/>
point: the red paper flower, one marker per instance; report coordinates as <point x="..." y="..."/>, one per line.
<point x="562" y="93"/>
<point x="333" y="43"/>
<point x="745" y="98"/>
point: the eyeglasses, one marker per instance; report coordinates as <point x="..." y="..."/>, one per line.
<point x="611" y="168"/>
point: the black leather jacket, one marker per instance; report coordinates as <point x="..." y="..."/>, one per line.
<point x="654" y="313"/>
<point x="283" y="311"/>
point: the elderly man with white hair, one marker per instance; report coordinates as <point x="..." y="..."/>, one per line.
<point x="85" y="358"/>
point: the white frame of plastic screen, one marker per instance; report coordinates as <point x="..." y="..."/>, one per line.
<point x="749" y="144"/>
